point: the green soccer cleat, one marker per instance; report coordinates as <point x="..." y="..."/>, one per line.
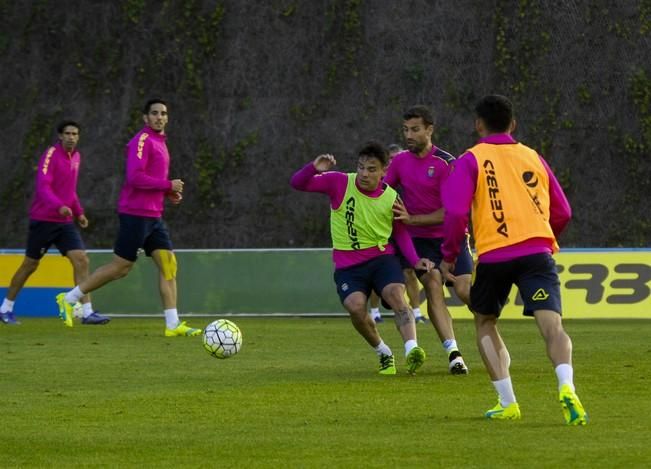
<point x="65" y="309"/>
<point x="182" y="330"/>
<point x="387" y="365"/>
<point x="415" y="359"/>
<point x="510" y="412"/>
<point x="573" y="410"/>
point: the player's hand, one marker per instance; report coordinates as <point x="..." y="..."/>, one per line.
<point x="177" y="185"/>
<point x="424" y="264"/>
<point x="324" y="162"/>
<point x="175" y="197"/>
<point x="446" y="269"/>
<point x="65" y="211"/>
<point x="400" y="212"/>
<point x="82" y="221"/>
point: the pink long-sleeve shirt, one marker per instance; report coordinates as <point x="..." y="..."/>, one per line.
<point x="419" y="181"/>
<point x="334" y="183"/>
<point x="147" y="169"/>
<point x="459" y="191"/>
<point x="56" y="185"/>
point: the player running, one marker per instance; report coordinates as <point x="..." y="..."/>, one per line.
<point x="55" y="209"/>
<point x="140" y="210"/>
<point x="361" y="223"/>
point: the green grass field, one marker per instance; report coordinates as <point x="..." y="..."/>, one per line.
<point x="305" y="393"/>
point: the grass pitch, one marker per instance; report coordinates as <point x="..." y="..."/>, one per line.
<point x="305" y="393"/>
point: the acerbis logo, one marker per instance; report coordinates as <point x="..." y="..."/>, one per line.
<point x="540" y="295"/>
<point x="494" y="196"/>
<point x="350" y="223"/>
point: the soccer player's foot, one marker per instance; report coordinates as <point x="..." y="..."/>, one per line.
<point x="378" y="319"/>
<point x="387" y="365"/>
<point x="415" y="359"/>
<point x="9" y="319"/>
<point x="510" y="412"/>
<point x="182" y="330"/>
<point x="573" y="410"/>
<point x="95" y="318"/>
<point x="420" y="319"/>
<point x="457" y="366"/>
<point x="66" y="310"/>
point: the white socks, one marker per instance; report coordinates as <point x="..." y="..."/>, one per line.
<point x="383" y="349"/>
<point x="417" y="313"/>
<point x="565" y="375"/>
<point x="87" y="309"/>
<point x="74" y="295"/>
<point x="409" y="345"/>
<point x="450" y="345"/>
<point x="7" y="306"/>
<point x="504" y="389"/>
<point x="375" y="312"/>
<point x="171" y="318"/>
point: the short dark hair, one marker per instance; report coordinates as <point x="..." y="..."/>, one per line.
<point x="61" y="126"/>
<point x="147" y="107"/>
<point x="394" y="148"/>
<point x="374" y="149"/>
<point x="419" y="111"/>
<point x="496" y="111"/>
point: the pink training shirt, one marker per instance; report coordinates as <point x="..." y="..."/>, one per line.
<point x="419" y="181"/>
<point x="56" y="185"/>
<point x="334" y="183"/>
<point x="459" y="191"/>
<point x="147" y="169"/>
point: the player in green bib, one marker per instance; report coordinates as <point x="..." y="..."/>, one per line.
<point x="361" y="223"/>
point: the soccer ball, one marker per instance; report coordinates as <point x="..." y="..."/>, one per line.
<point x="222" y="338"/>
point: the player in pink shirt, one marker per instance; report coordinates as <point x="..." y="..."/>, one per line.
<point x="418" y="174"/>
<point x="140" y="208"/>
<point x="55" y="209"/>
<point x="361" y="223"/>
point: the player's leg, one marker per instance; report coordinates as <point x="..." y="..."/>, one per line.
<point x="540" y="291"/>
<point x="441" y="319"/>
<point x="488" y="296"/>
<point x="131" y="235"/>
<point x="374" y="303"/>
<point x="463" y="271"/>
<point x="353" y="287"/>
<point x="388" y="279"/>
<point x="559" y="350"/>
<point x="437" y="309"/>
<point x="24" y="271"/>
<point x="497" y="361"/>
<point x="158" y="245"/>
<point x="79" y="261"/>
<point x="39" y="239"/>
<point x="412" y="285"/>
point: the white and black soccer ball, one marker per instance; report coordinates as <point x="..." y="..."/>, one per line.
<point x="222" y="338"/>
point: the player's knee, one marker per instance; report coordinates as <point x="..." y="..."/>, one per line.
<point x="80" y="262"/>
<point x="168" y="265"/>
<point x="121" y="270"/>
<point x="355" y="303"/>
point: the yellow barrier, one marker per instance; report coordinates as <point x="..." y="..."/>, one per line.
<point x="594" y="284"/>
<point x="53" y="271"/>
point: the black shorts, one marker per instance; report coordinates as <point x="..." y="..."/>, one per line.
<point x="371" y="275"/>
<point x="141" y="232"/>
<point x="430" y="248"/>
<point x="534" y="275"/>
<point x="43" y="234"/>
